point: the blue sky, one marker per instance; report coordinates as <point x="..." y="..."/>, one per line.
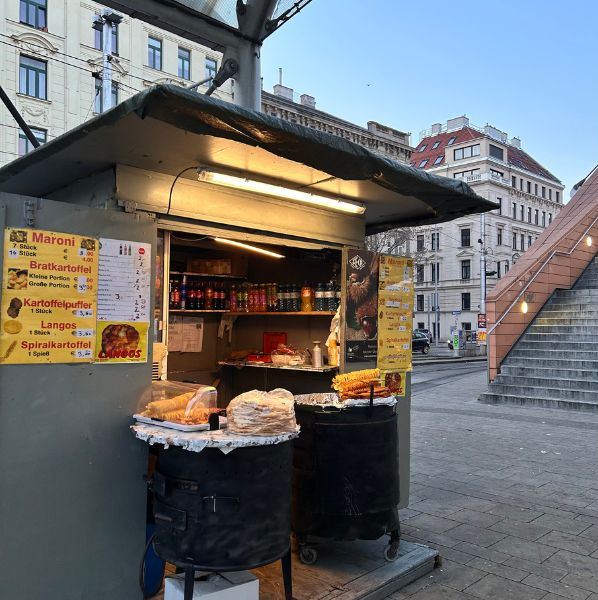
<point x="528" y="67"/>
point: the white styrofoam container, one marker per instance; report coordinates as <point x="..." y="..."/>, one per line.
<point x="237" y="585"/>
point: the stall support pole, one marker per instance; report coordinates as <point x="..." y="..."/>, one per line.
<point x="189" y="582"/>
<point x="287" y="575"/>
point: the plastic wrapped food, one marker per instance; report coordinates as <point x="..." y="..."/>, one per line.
<point x="287" y="355"/>
<point x="262" y="413"/>
<point x="175" y="402"/>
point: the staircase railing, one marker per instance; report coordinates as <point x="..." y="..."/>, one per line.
<point x="532" y="279"/>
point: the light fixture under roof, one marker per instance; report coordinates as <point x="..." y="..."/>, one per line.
<point x="208" y="175"/>
<point x="248" y="247"/>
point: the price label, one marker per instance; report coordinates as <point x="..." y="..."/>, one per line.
<point x="85" y="313"/>
<point x="13" y="253"/>
<point x="82" y="354"/>
<point x="82" y="251"/>
<point x="83" y="333"/>
<point x="82" y="285"/>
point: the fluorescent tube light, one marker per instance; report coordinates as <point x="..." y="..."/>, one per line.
<point x="277" y="191"/>
<point x="248" y="247"/>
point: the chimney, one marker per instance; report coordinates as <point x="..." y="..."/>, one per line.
<point x="516" y="142"/>
<point x="495" y="133"/>
<point x="457" y="123"/>
<point x="283" y="91"/>
<point x="436" y="128"/>
<point x="307" y="100"/>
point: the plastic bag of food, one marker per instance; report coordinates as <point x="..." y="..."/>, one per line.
<point x="185" y="403"/>
<point x="262" y="413"/>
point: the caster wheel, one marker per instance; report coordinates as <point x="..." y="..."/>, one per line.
<point x="307" y="555"/>
<point x="391" y="552"/>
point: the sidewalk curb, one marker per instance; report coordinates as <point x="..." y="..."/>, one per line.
<point x="436" y="361"/>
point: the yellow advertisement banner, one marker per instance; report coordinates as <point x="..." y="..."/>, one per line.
<point x="49" y="297"/>
<point x="119" y="342"/>
<point x="395" y="313"/>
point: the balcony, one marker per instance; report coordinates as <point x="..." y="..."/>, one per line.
<point x="482" y="177"/>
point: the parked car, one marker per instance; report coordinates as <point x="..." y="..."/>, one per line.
<point x="426" y="332"/>
<point x="420" y="342"/>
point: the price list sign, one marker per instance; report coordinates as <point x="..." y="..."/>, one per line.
<point x="124" y="286"/>
<point x="395" y="313"/>
<point x="49" y="292"/>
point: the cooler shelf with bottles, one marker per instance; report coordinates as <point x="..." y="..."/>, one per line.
<point x="217" y="288"/>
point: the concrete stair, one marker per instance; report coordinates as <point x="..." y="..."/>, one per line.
<point x="555" y="362"/>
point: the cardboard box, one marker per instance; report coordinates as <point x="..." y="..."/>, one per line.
<point x="237" y="585"/>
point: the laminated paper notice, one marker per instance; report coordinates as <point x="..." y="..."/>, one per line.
<point x="124" y="282"/>
<point x="192" y="334"/>
<point x="395" y="313"/>
<point x="48" y="297"/>
<point x="175" y="333"/>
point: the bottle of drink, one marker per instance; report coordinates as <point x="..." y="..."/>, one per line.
<point x="319" y="297"/>
<point x="170" y="293"/>
<point x="199" y="297"/>
<point x="223" y="298"/>
<point x="245" y="298"/>
<point x="233" y="300"/>
<point x="263" y="297"/>
<point x="184" y="293"/>
<point x="329" y="297"/>
<point x="279" y="298"/>
<point x="297" y="298"/>
<point x="307" y="304"/>
<point x="337" y="296"/>
<point x="209" y="296"/>
<point x="176" y="296"/>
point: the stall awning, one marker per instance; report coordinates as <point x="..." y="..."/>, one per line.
<point x="167" y="128"/>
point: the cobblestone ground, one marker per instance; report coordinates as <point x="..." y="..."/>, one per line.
<point x="508" y="495"/>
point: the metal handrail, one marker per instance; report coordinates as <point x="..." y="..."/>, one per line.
<point x="552" y="255"/>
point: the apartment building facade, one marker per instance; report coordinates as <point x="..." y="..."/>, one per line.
<point x="449" y="256"/>
<point x="52" y="58"/>
<point x="379" y="138"/>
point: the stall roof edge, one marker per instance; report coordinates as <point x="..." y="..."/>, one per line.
<point x="44" y="171"/>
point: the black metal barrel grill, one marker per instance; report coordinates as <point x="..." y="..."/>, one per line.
<point x="223" y="512"/>
<point x="345" y="476"/>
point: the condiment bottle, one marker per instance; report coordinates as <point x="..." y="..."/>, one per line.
<point x="316" y="355"/>
<point x="307" y="304"/>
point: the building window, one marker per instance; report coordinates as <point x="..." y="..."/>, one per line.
<point x="33" y="77"/>
<point x="25" y="146"/>
<point x="463" y="174"/>
<point x="419" y="273"/>
<point x="211" y="68"/>
<point x="558" y="196"/>
<point x="522" y="238"/>
<point x="466" y="237"/>
<point x="467" y="152"/>
<point x="465" y="326"/>
<point x="99" y="105"/>
<point x="34" y="13"/>
<point x="536" y="213"/>
<point x="154" y="53"/>
<point x="496" y="174"/>
<point x="420" y="243"/>
<point x="465" y="301"/>
<point x="439" y="159"/>
<point x="184" y="63"/>
<point x="499" y="231"/>
<point x="435" y="272"/>
<point x="529" y="214"/>
<point x="529" y="241"/>
<point x="506" y="266"/>
<point x="543" y="219"/>
<point x="514" y="210"/>
<point x="498" y="273"/>
<point x="521" y="184"/>
<point x="536" y="189"/>
<point x="513" y="181"/>
<point x="465" y="269"/>
<point x="549" y="218"/>
<point x="451" y="141"/>
<point x="499" y="200"/>
<point x="423" y="163"/>
<point x="98" y="38"/>
<point x="436" y="144"/>
<point x="420" y="302"/>
<point x="529" y="187"/>
<point x="522" y="213"/>
<point x="543" y="192"/>
<point x="422" y="147"/>
<point x="420" y="325"/>
<point x="550" y="193"/>
<point x="514" y="241"/>
<point x="436" y="241"/>
<point x="496" y="152"/>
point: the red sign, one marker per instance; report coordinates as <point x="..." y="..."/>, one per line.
<point x="482" y="321"/>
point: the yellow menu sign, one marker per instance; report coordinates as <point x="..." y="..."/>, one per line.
<point x="395" y="313"/>
<point x="49" y="297"/>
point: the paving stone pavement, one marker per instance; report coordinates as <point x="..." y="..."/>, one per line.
<point x="507" y="494"/>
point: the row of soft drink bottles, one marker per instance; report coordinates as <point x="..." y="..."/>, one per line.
<point x="193" y="294"/>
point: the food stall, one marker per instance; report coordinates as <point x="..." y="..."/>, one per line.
<point x="178" y="228"/>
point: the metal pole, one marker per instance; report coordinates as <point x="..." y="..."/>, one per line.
<point x="12" y="109"/>
<point x="483" y="264"/>
<point x="107" y="26"/>
<point x="436" y="297"/>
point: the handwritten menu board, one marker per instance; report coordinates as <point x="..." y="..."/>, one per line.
<point x="395" y="313"/>
<point x="48" y="297"/>
<point x="123" y="301"/>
